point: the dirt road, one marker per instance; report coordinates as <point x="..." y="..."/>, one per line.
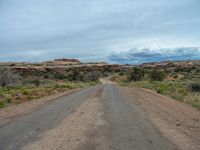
<point x="105" y="117"/>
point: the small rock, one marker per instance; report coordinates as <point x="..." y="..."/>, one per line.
<point x="178" y="124"/>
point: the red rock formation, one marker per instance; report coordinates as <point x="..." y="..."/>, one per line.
<point x="67" y="60"/>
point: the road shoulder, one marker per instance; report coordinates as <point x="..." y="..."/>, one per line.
<point x="178" y="121"/>
<point x="9" y="113"/>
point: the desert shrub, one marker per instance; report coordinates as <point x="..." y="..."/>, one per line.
<point x="56" y="86"/>
<point x="8" y="99"/>
<point x="177" y="96"/>
<point x="145" y="84"/>
<point x="76" y="75"/>
<point x="184" y="69"/>
<point x="172" y="89"/>
<point x="163" y="88"/>
<point x="178" y="69"/>
<point x="46" y="76"/>
<point x="135" y="74"/>
<point x="58" y="75"/>
<point x="29" y="97"/>
<point x="25" y="92"/>
<point x="66" y="86"/>
<point x="1" y="92"/>
<point x="156" y="75"/>
<point x="92" y="76"/>
<point x="36" y="82"/>
<point x="2" y="104"/>
<point x="121" y="73"/>
<point x="194" y="87"/>
<point x="7" y="77"/>
<point x="193" y="100"/>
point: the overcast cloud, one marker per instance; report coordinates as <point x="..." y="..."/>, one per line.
<point x="93" y="30"/>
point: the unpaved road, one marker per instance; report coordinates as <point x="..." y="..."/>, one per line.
<point x="105" y="117"/>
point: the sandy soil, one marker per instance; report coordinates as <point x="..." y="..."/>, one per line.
<point x="106" y="81"/>
<point x="178" y="121"/>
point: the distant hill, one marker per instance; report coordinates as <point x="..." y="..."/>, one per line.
<point x="183" y="63"/>
<point x="57" y="65"/>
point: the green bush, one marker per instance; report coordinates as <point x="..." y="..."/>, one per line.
<point x="194" y="87"/>
<point x="66" y="86"/>
<point x="36" y="82"/>
<point x="46" y="76"/>
<point x="163" y="88"/>
<point x="76" y="75"/>
<point x="25" y="92"/>
<point x="135" y="74"/>
<point x="56" y="86"/>
<point x="1" y="92"/>
<point x="121" y="73"/>
<point x="156" y="75"/>
<point x="2" y="104"/>
<point x="58" y="75"/>
<point x="8" y="99"/>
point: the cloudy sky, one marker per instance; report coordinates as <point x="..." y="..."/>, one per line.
<point x="122" y="31"/>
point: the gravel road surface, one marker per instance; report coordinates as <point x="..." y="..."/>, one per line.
<point x="105" y="117"/>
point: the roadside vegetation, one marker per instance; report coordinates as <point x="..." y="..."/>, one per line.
<point x="18" y="87"/>
<point x="182" y="84"/>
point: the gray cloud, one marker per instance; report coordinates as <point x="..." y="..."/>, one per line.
<point x="138" y="56"/>
<point x="91" y="30"/>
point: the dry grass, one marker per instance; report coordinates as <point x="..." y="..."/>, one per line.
<point x="193" y="99"/>
<point x="29" y="91"/>
<point x="177" y="90"/>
